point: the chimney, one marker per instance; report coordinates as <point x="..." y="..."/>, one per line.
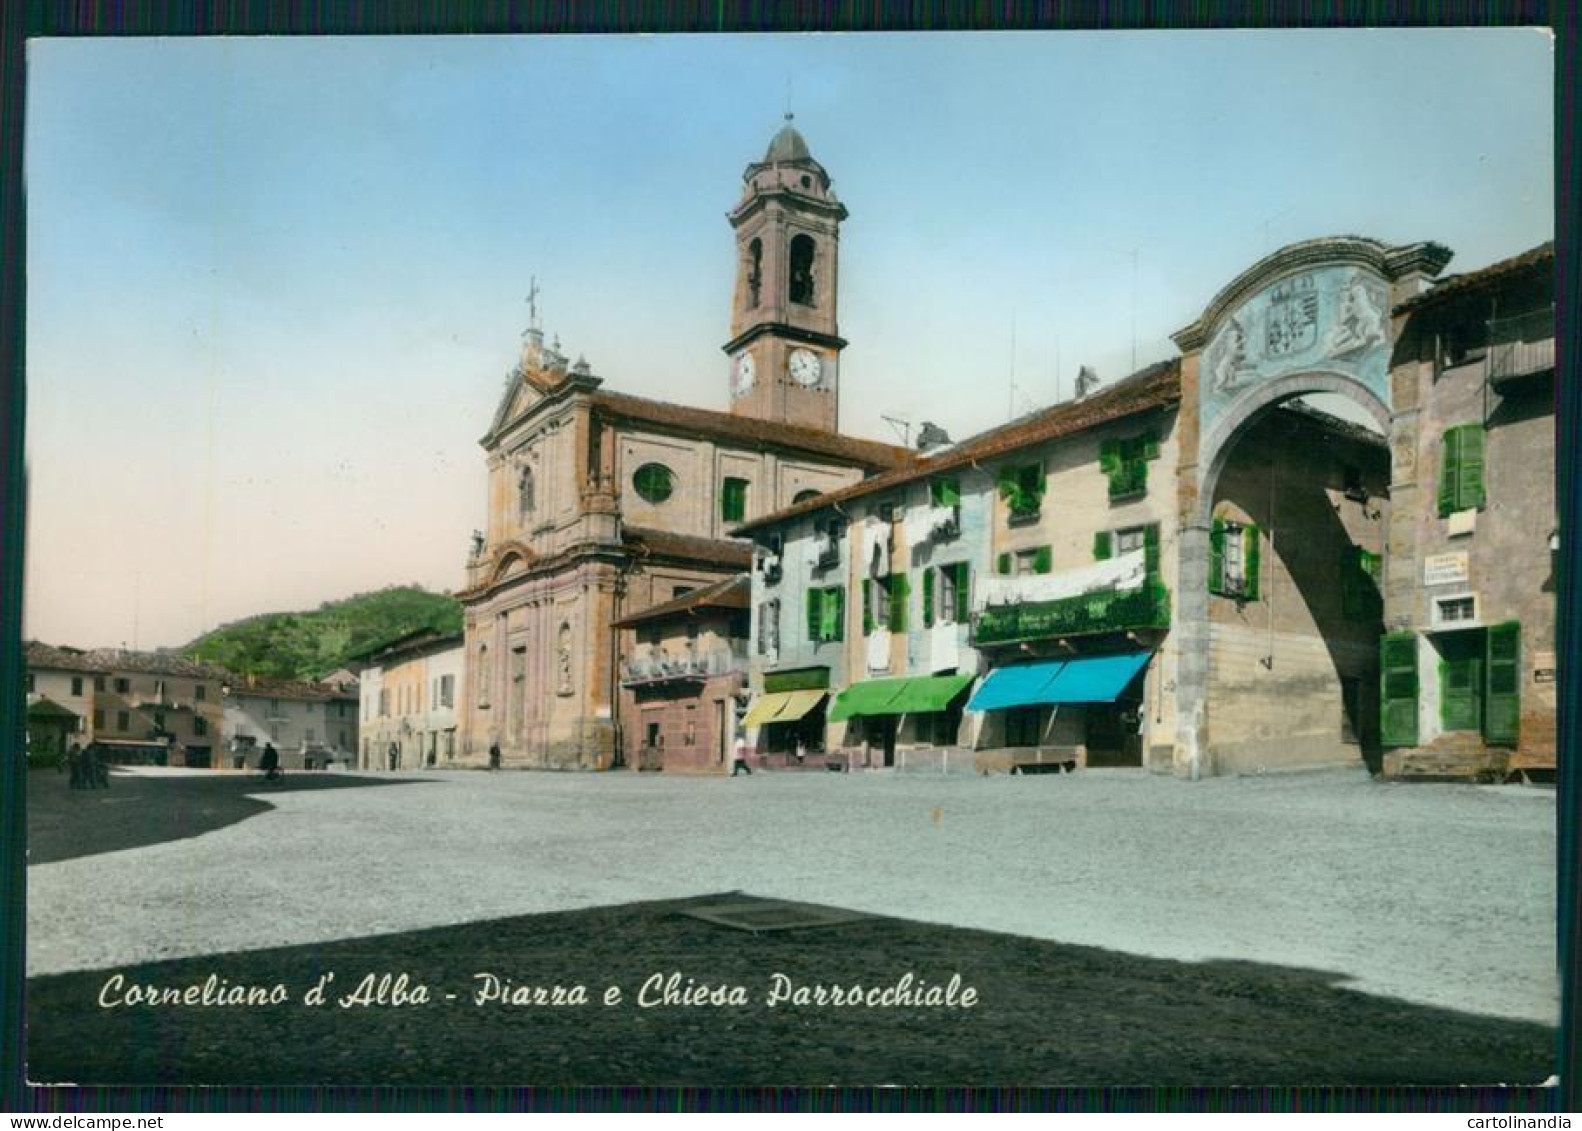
<point x="932" y="436"/>
<point x="1087" y="381"/>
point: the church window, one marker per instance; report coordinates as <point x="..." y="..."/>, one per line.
<point x="524" y="492"/>
<point x="654" y="482"/>
<point x="755" y="271"/>
<point x="802" y="270"/>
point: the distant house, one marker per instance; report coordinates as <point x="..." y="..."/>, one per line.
<point x="313" y="725"/>
<point x="683" y="671"/>
<point x="409" y="689"/>
<point x="1469" y="599"/>
<point x="141" y="707"/>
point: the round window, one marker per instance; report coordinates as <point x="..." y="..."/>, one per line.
<point x="804" y="496"/>
<point x="654" y="482"/>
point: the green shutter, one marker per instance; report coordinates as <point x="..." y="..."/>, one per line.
<point x="1458" y="694"/>
<point x="1469" y="481"/>
<point x="1151" y="549"/>
<point x="1043" y="560"/>
<point x="963" y="577"/>
<point x="1110" y="456"/>
<point x="840" y="613"/>
<point x="928" y="598"/>
<point x="945" y="492"/>
<point x="1005" y="480"/>
<point x="899" y="589"/>
<point x="1502" y="713"/>
<point x="1101" y="545"/>
<point x="1216" y="557"/>
<point x="830" y="614"/>
<point x="733" y="500"/>
<point x="1003" y="566"/>
<point x="867" y="607"/>
<point x="1449" y="470"/>
<point x="1398" y="689"/>
<point x="815" y="614"/>
<point x="1251" y="555"/>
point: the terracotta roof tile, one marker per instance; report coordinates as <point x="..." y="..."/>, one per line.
<point x="750" y="430"/>
<point x="287" y="689"/>
<point x="690" y="547"/>
<point x="732" y="593"/>
<point x="1156" y="386"/>
<point x="44" y="657"/>
<point x="1539" y="258"/>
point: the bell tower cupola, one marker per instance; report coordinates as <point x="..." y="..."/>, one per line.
<point x="785" y="346"/>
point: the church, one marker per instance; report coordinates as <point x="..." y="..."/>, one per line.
<point x="603" y="505"/>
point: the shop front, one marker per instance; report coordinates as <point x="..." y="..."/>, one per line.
<point x="901" y="721"/>
<point x="1062" y="713"/>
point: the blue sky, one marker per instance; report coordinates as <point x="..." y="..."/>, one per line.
<point x="275" y="285"/>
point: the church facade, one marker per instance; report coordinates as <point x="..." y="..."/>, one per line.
<point x="602" y="504"/>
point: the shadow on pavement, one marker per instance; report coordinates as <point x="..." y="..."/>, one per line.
<point x="139" y="810"/>
<point x="1047" y="1014"/>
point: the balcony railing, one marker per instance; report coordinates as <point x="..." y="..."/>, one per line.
<point x="1522" y="345"/>
<point x="1086" y="614"/>
<point x="657" y="668"/>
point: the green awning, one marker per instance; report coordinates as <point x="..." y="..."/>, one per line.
<point x="929" y="693"/>
<point x="899" y="696"/>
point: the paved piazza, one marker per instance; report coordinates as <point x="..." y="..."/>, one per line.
<point x="1439" y="894"/>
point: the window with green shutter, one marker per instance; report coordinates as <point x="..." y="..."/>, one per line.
<point x="1461" y="469"/>
<point x="1022" y="488"/>
<point x="733" y="500"/>
<point x="1002" y="564"/>
<point x="815" y="614"/>
<point x="1503" y="710"/>
<point x="1101" y="546"/>
<point x="945" y="492"/>
<point x="1235" y="559"/>
<point x="963" y="593"/>
<point x="1125" y="462"/>
<point x="832" y="614"/>
<point x="1398" y="689"/>
<point x="899" y="589"/>
<point x="928" y="597"/>
<point x="867" y="608"/>
<point x="1043" y="559"/>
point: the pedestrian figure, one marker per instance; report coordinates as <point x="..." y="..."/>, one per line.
<point x="74" y="764"/>
<point x="740" y="764"/>
<point x="494" y="755"/>
<point x="801" y="750"/>
<point x="394" y="757"/>
<point x="269" y="762"/>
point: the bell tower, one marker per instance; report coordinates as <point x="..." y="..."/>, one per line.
<point x="785" y="348"/>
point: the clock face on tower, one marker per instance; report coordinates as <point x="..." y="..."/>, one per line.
<point x="805" y="367"/>
<point x="742" y="375"/>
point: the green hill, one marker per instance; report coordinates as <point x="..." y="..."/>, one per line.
<point x="307" y="645"/>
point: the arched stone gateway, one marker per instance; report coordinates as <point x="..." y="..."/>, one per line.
<point x="1314" y="317"/>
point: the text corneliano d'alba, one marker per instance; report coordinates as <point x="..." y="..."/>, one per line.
<point x="661" y="990"/>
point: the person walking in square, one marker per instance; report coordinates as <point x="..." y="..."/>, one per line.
<point x="740" y="763"/>
<point x="494" y="755"/>
<point x="269" y="762"/>
<point x="74" y="764"/>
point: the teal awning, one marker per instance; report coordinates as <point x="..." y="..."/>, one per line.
<point x="1095" y="679"/>
<point x="1015" y="686"/>
<point x="1090" y="679"/>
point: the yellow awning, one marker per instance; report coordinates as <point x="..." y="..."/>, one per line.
<point x="781" y="707"/>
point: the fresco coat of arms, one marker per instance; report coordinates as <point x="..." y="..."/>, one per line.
<point x="1327" y="319"/>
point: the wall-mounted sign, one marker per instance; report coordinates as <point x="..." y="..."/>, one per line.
<point x="1445" y="569"/>
<point x="1543" y="667"/>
